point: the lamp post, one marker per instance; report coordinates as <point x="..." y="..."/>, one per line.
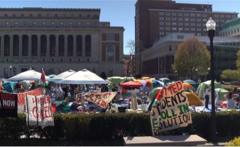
<point x="211" y="26"/>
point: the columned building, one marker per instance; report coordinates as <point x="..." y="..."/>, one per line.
<point x="57" y="40"/>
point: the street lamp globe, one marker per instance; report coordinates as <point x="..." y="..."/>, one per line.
<point x="211" y="24"/>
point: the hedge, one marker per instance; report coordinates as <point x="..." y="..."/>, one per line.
<point x="75" y="127"/>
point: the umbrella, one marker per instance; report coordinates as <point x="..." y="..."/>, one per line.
<point x="131" y="84"/>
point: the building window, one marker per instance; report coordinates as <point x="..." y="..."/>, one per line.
<point x="70" y="45"/>
<point x="6" y="45"/>
<point x="111" y="36"/>
<point x="0" y="44"/>
<point x="25" y="47"/>
<point x="88" y="47"/>
<point x="15" y="45"/>
<point x="79" y="45"/>
<point x="110" y="52"/>
<point x="34" y="45"/>
<point x="61" y="45"/>
<point x="52" y="45"/>
<point x="43" y="44"/>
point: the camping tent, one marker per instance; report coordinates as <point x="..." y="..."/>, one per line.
<point x="83" y="77"/>
<point x="62" y="75"/>
<point x="204" y="85"/>
<point x="27" y="75"/>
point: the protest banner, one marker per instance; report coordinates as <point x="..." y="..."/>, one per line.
<point x="39" y="111"/>
<point x="101" y="99"/>
<point x="22" y="96"/>
<point x="172" y="110"/>
<point x="8" y="105"/>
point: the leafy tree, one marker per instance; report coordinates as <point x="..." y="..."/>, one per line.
<point x="230" y="74"/>
<point x="192" y="58"/>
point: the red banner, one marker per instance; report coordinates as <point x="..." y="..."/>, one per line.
<point x="22" y="96"/>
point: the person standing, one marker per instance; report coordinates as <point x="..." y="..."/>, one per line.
<point x="207" y="97"/>
<point x="230" y="101"/>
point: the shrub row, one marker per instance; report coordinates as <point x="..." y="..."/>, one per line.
<point x="74" y="127"/>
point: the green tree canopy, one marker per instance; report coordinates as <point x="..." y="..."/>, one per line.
<point x="192" y="57"/>
<point x="230" y="74"/>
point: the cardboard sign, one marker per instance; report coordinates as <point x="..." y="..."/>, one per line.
<point x="8" y="105"/>
<point x="39" y="111"/>
<point x="172" y="110"/>
<point x="101" y="99"/>
<point x="22" y="96"/>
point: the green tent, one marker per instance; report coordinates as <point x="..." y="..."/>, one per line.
<point x="204" y="85"/>
<point x="221" y="92"/>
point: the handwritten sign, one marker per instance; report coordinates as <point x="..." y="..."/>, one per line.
<point x="22" y="96"/>
<point x="172" y="110"/>
<point x="101" y="99"/>
<point x="39" y="111"/>
<point x="8" y="105"/>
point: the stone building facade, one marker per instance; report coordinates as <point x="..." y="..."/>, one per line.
<point x="57" y="40"/>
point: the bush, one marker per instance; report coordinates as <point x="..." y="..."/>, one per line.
<point x="234" y="142"/>
<point x="75" y="127"/>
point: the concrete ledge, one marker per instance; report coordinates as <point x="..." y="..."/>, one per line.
<point x="190" y="140"/>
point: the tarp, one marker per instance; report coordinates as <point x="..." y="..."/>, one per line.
<point x="193" y="99"/>
<point x="62" y="75"/>
<point x="27" y="75"/>
<point x="83" y="77"/>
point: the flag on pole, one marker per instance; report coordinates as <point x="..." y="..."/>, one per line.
<point x="43" y="77"/>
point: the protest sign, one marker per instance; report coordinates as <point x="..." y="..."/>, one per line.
<point x="101" y="99"/>
<point x="39" y="111"/>
<point x="8" y="105"/>
<point x="22" y="96"/>
<point x="172" y="110"/>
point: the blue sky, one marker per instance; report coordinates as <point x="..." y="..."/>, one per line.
<point x="118" y="12"/>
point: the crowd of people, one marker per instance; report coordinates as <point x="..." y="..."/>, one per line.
<point x="232" y="99"/>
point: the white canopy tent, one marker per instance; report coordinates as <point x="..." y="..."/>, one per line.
<point x="62" y="75"/>
<point x="27" y="75"/>
<point x="83" y="77"/>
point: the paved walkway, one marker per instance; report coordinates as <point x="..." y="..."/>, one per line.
<point x="218" y="144"/>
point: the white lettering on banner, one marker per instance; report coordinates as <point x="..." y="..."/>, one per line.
<point x="39" y="111"/>
<point x="100" y="99"/>
<point x="8" y="103"/>
<point x="171" y="112"/>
